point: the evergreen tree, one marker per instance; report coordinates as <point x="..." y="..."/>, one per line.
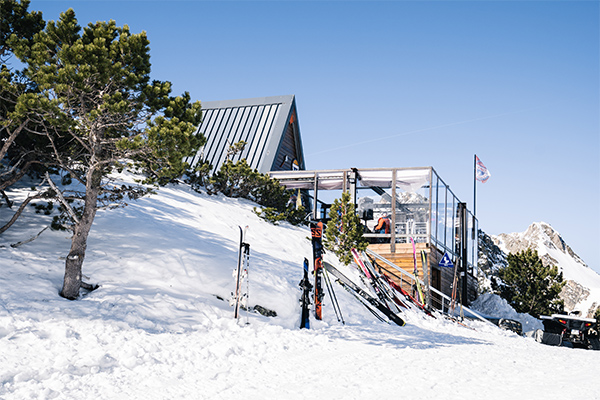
<point x="16" y="19"/>
<point x="529" y="286"/>
<point x="97" y="111"/>
<point x="19" y="148"/>
<point x="240" y="180"/>
<point x="344" y="230"/>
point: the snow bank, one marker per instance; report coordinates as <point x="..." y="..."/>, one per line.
<point x="493" y="305"/>
<point x="160" y="325"/>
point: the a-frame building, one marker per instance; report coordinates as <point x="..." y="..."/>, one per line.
<point x="268" y="125"/>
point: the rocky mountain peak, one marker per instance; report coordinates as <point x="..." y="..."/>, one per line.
<point x="539" y="236"/>
<point x="580" y="292"/>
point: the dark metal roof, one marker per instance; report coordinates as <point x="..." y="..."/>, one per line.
<point x="260" y="122"/>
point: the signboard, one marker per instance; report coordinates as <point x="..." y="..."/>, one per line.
<point x="446" y="261"/>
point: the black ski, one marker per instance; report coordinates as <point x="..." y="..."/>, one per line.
<point x="241" y="272"/>
<point x="370" y="299"/>
<point x="305" y="299"/>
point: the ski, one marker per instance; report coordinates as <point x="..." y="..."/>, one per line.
<point x="380" y="289"/>
<point x="367" y="305"/>
<point x="366" y="296"/>
<point x="305" y="299"/>
<point x="243" y="259"/>
<point x="382" y="283"/>
<point x="425" y="267"/>
<point x="416" y="272"/>
<point x="316" y="231"/>
<point x="333" y="297"/>
<point x="398" y="288"/>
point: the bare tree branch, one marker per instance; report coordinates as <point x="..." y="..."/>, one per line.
<point x="62" y="200"/>
<point x="11" y="137"/>
<point x="8" y="202"/>
<point x="20" y="211"/>
<point x="31" y="239"/>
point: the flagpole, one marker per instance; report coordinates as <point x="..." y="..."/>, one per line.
<point x="475" y="185"/>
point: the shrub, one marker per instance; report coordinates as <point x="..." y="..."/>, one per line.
<point x="344" y="231"/>
<point x="240" y="180"/>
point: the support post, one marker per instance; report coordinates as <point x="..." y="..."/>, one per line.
<point x="463" y="252"/>
<point x="316" y="190"/>
<point x="353" y="187"/>
<point x="393" y="227"/>
<point x="474" y="184"/>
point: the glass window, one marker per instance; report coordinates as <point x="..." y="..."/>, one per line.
<point x="450" y="217"/>
<point x="433" y="211"/>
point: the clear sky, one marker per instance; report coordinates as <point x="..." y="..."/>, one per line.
<point x="408" y="84"/>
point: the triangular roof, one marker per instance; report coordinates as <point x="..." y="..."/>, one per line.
<point x="268" y="125"/>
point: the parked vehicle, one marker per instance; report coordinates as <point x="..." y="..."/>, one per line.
<point x="507" y="324"/>
<point x="570" y="331"/>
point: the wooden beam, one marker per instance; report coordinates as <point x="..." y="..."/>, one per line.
<point x="316" y="190"/>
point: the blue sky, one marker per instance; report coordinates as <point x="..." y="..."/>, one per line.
<point x="406" y="84"/>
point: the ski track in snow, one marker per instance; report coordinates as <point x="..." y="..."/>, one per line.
<point x="157" y="330"/>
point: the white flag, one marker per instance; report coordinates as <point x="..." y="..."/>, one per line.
<point x="481" y="172"/>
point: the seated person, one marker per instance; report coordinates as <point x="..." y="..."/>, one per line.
<point x="383" y="224"/>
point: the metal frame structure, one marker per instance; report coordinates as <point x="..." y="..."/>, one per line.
<point x="420" y="205"/>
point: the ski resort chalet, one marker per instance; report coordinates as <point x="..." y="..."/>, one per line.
<point x="420" y="206"/>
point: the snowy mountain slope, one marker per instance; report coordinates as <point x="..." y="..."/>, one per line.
<point x="582" y="292"/>
<point x="156" y="329"/>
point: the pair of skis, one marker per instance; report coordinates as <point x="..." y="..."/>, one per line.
<point x="316" y="230"/>
<point x="241" y="274"/>
<point x="416" y="272"/>
<point x="306" y="287"/>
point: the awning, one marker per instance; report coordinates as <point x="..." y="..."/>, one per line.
<point x="407" y="179"/>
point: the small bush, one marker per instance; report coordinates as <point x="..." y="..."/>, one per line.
<point x="240" y="180"/>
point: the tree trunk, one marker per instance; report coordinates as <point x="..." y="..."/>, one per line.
<point x="72" y="279"/>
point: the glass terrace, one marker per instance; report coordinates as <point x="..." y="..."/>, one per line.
<point x="424" y="209"/>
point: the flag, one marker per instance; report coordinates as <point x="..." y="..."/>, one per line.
<point x="481" y="172"/>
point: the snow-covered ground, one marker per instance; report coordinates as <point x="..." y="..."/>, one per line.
<point x="158" y="329"/>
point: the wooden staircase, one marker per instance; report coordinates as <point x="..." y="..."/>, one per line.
<point x="403" y="257"/>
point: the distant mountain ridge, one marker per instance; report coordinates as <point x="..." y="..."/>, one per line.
<point x="538" y="235"/>
<point x="582" y="291"/>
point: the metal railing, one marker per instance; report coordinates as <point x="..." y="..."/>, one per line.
<point x="443" y="302"/>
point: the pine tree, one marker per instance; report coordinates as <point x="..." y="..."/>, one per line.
<point x="344" y="230"/>
<point x="529" y="286"/>
<point x="19" y="147"/>
<point x="97" y="112"/>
